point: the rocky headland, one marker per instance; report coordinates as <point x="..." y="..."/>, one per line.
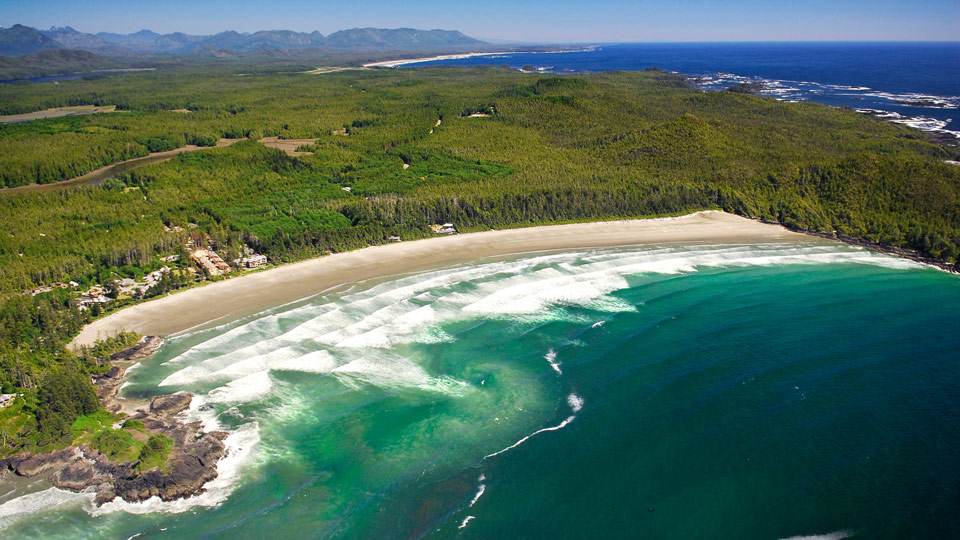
<point x="190" y="465"/>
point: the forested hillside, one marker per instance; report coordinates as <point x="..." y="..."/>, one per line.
<point x="51" y="62"/>
<point x="510" y="149"/>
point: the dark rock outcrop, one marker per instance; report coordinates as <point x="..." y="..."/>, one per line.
<point x="190" y="466"/>
<point x="147" y="346"/>
<point x="170" y="404"/>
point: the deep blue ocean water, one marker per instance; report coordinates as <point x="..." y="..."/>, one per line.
<point x="864" y="76"/>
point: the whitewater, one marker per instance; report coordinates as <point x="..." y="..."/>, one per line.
<point x="416" y="403"/>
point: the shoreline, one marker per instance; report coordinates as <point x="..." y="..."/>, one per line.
<point x="403" y="62"/>
<point x="117" y="168"/>
<point x="252" y="293"/>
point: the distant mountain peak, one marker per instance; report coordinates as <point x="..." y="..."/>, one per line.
<point x="19" y="40"/>
<point x="23" y="40"/>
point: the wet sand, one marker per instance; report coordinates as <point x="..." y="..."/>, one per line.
<point x="252" y="293"/>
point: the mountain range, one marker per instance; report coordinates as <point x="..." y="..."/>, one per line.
<point x="19" y="40"/>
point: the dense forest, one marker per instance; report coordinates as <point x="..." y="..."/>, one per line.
<point x="399" y="150"/>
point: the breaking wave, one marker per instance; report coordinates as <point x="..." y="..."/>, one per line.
<point x="575" y="402"/>
<point x="880" y="103"/>
<point x="837" y="535"/>
<point x="356" y="337"/>
<point x="359" y="339"/>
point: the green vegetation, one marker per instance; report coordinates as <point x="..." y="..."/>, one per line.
<point x="51" y="62"/>
<point x="133" y="424"/>
<point x="605" y="146"/>
<point x="154" y="452"/>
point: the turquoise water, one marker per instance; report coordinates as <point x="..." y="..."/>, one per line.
<point x="767" y="392"/>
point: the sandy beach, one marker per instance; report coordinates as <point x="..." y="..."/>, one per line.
<point x="252" y="293"/>
<point x="396" y="63"/>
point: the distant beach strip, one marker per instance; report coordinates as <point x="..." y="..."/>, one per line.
<point x="397" y="63"/>
<point x="252" y="293"/>
<point x="462" y="56"/>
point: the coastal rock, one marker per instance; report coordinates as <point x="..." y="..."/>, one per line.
<point x="209" y="448"/>
<point x="189" y="467"/>
<point x="147" y="346"/>
<point x="186" y="478"/>
<point x="170" y="404"/>
<point x="76" y="477"/>
<point x="36" y="465"/>
<point x="115" y="373"/>
<point x="105" y="494"/>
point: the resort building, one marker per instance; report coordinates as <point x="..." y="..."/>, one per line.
<point x="254" y="261"/>
<point x="7" y="399"/>
<point x="446" y="228"/>
<point x="210" y="261"/>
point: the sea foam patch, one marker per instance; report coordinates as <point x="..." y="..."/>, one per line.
<point x="360" y="338"/>
<point x="338" y="336"/>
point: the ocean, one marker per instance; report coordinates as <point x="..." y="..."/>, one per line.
<point x="917" y="84"/>
<point x="781" y="390"/>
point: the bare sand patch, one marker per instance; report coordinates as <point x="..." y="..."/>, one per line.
<point x="98" y="175"/>
<point x="332" y="69"/>
<point x="288" y="145"/>
<point x="57" y="112"/>
<point x="397" y="63"/>
<point x="236" y="297"/>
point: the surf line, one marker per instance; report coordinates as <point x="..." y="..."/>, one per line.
<point x="483" y="487"/>
<point x="575" y="402"/>
<point x="551" y="357"/>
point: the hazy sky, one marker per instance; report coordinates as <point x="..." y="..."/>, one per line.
<point x="517" y="20"/>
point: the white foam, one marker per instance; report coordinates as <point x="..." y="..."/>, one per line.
<point x="243" y="390"/>
<point x="40" y="501"/>
<point x="575" y="402"/>
<point x="315" y="362"/>
<point x="476" y="497"/>
<point x="466" y="520"/>
<point x="837" y="535"/>
<point x="412" y="309"/>
<point x="551" y="358"/>
<point x="239" y="448"/>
